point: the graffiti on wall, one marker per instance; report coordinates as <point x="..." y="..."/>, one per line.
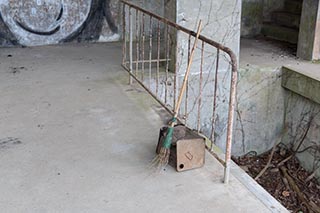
<point x="43" y="22"/>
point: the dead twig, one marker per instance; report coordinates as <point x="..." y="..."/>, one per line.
<point x="296" y="189"/>
<point x="285" y="160"/>
<point x="299" y="145"/>
<point x="268" y="164"/>
<point x="271" y="154"/>
<point x="312" y="175"/>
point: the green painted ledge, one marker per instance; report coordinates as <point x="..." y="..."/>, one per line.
<point x="304" y="83"/>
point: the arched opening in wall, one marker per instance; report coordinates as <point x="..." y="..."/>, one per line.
<point x="281" y="21"/>
<point x="272" y="25"/>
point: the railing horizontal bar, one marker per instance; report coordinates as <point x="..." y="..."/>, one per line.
<point x="147" y="61"/>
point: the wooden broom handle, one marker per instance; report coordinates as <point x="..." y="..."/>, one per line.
<point x="184" y="85"/>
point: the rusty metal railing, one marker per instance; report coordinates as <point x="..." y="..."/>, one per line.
<point x="152" y="58"/>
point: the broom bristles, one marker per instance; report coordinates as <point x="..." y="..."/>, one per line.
<point x="162" y="159"/>
<point x="164" y="155"/>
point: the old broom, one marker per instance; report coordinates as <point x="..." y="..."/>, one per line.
<point x="162" y="158"/>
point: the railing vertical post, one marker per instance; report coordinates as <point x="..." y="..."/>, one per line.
<point x="124" y="36"/>
<point x="158" y="56"/>
<point x="130" y="46"/>
<point x="143" y="41"/>
<point x="150" y="51"/>
<point x="167" y="48"/>
<point x="186" y="114"/>
<point x="200" y="88"/>
<point x="137" y="43"/>
<point x="232" y="103"/>
<point x="213" y="127"/>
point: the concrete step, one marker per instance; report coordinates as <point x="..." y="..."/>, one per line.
<point x="286" y="19"/>
<point x="293" y="6"/>
<point x="280" y="33"/>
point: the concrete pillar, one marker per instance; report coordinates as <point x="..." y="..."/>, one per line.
<point x="221" y="22"/>
<point x="309" y="36"/>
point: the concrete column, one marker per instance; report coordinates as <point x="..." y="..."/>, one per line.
<point x="221" y="22"/>
<point x="309" y="36"/>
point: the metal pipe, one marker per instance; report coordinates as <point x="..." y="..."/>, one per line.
<point x="200" y="88"/>
<point x="137" y="42"/>
<point x="150" y="51"/>
<point x="187" y="86"/>
<point x="124" y="33"/>
<point x="130" y="46"/>
<point x="232" y="103"/>
<point x="143" y="40"/>
<point x="158" y="57"/>
<point x="153" y="61"/>
<point x="213" y="127"/>
<point x="167" y="63"/>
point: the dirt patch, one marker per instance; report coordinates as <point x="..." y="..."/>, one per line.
<point x="279" y="179"/>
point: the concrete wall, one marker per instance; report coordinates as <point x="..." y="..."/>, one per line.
<point x="260" y="109"/>
<point x="44" y="22"/>
<point x="303" y="115"/>
<point x="299" y="112"/>
<point x="270" y="6"/>
<point x="251" y="18"/>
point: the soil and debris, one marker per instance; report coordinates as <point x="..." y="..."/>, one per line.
<point x="284" y="178"/>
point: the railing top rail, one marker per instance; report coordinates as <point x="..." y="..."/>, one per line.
<point x="190" y="32"/>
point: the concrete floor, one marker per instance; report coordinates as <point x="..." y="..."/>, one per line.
<point x="81" y="140"/>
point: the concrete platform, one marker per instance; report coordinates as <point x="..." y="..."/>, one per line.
<point x="74" y="137"/>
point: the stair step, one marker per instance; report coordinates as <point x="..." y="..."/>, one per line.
<point x="293" y="6"/>
<point x="286" y="19"/>
<point x="280" y="33"/>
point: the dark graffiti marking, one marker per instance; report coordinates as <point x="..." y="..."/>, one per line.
<point x="108" y="14"/>
<point x="44" y="33"/>
<point x="9" y="142"/>
<point x="42" y="22"/>
<point x="47" y="33"/>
